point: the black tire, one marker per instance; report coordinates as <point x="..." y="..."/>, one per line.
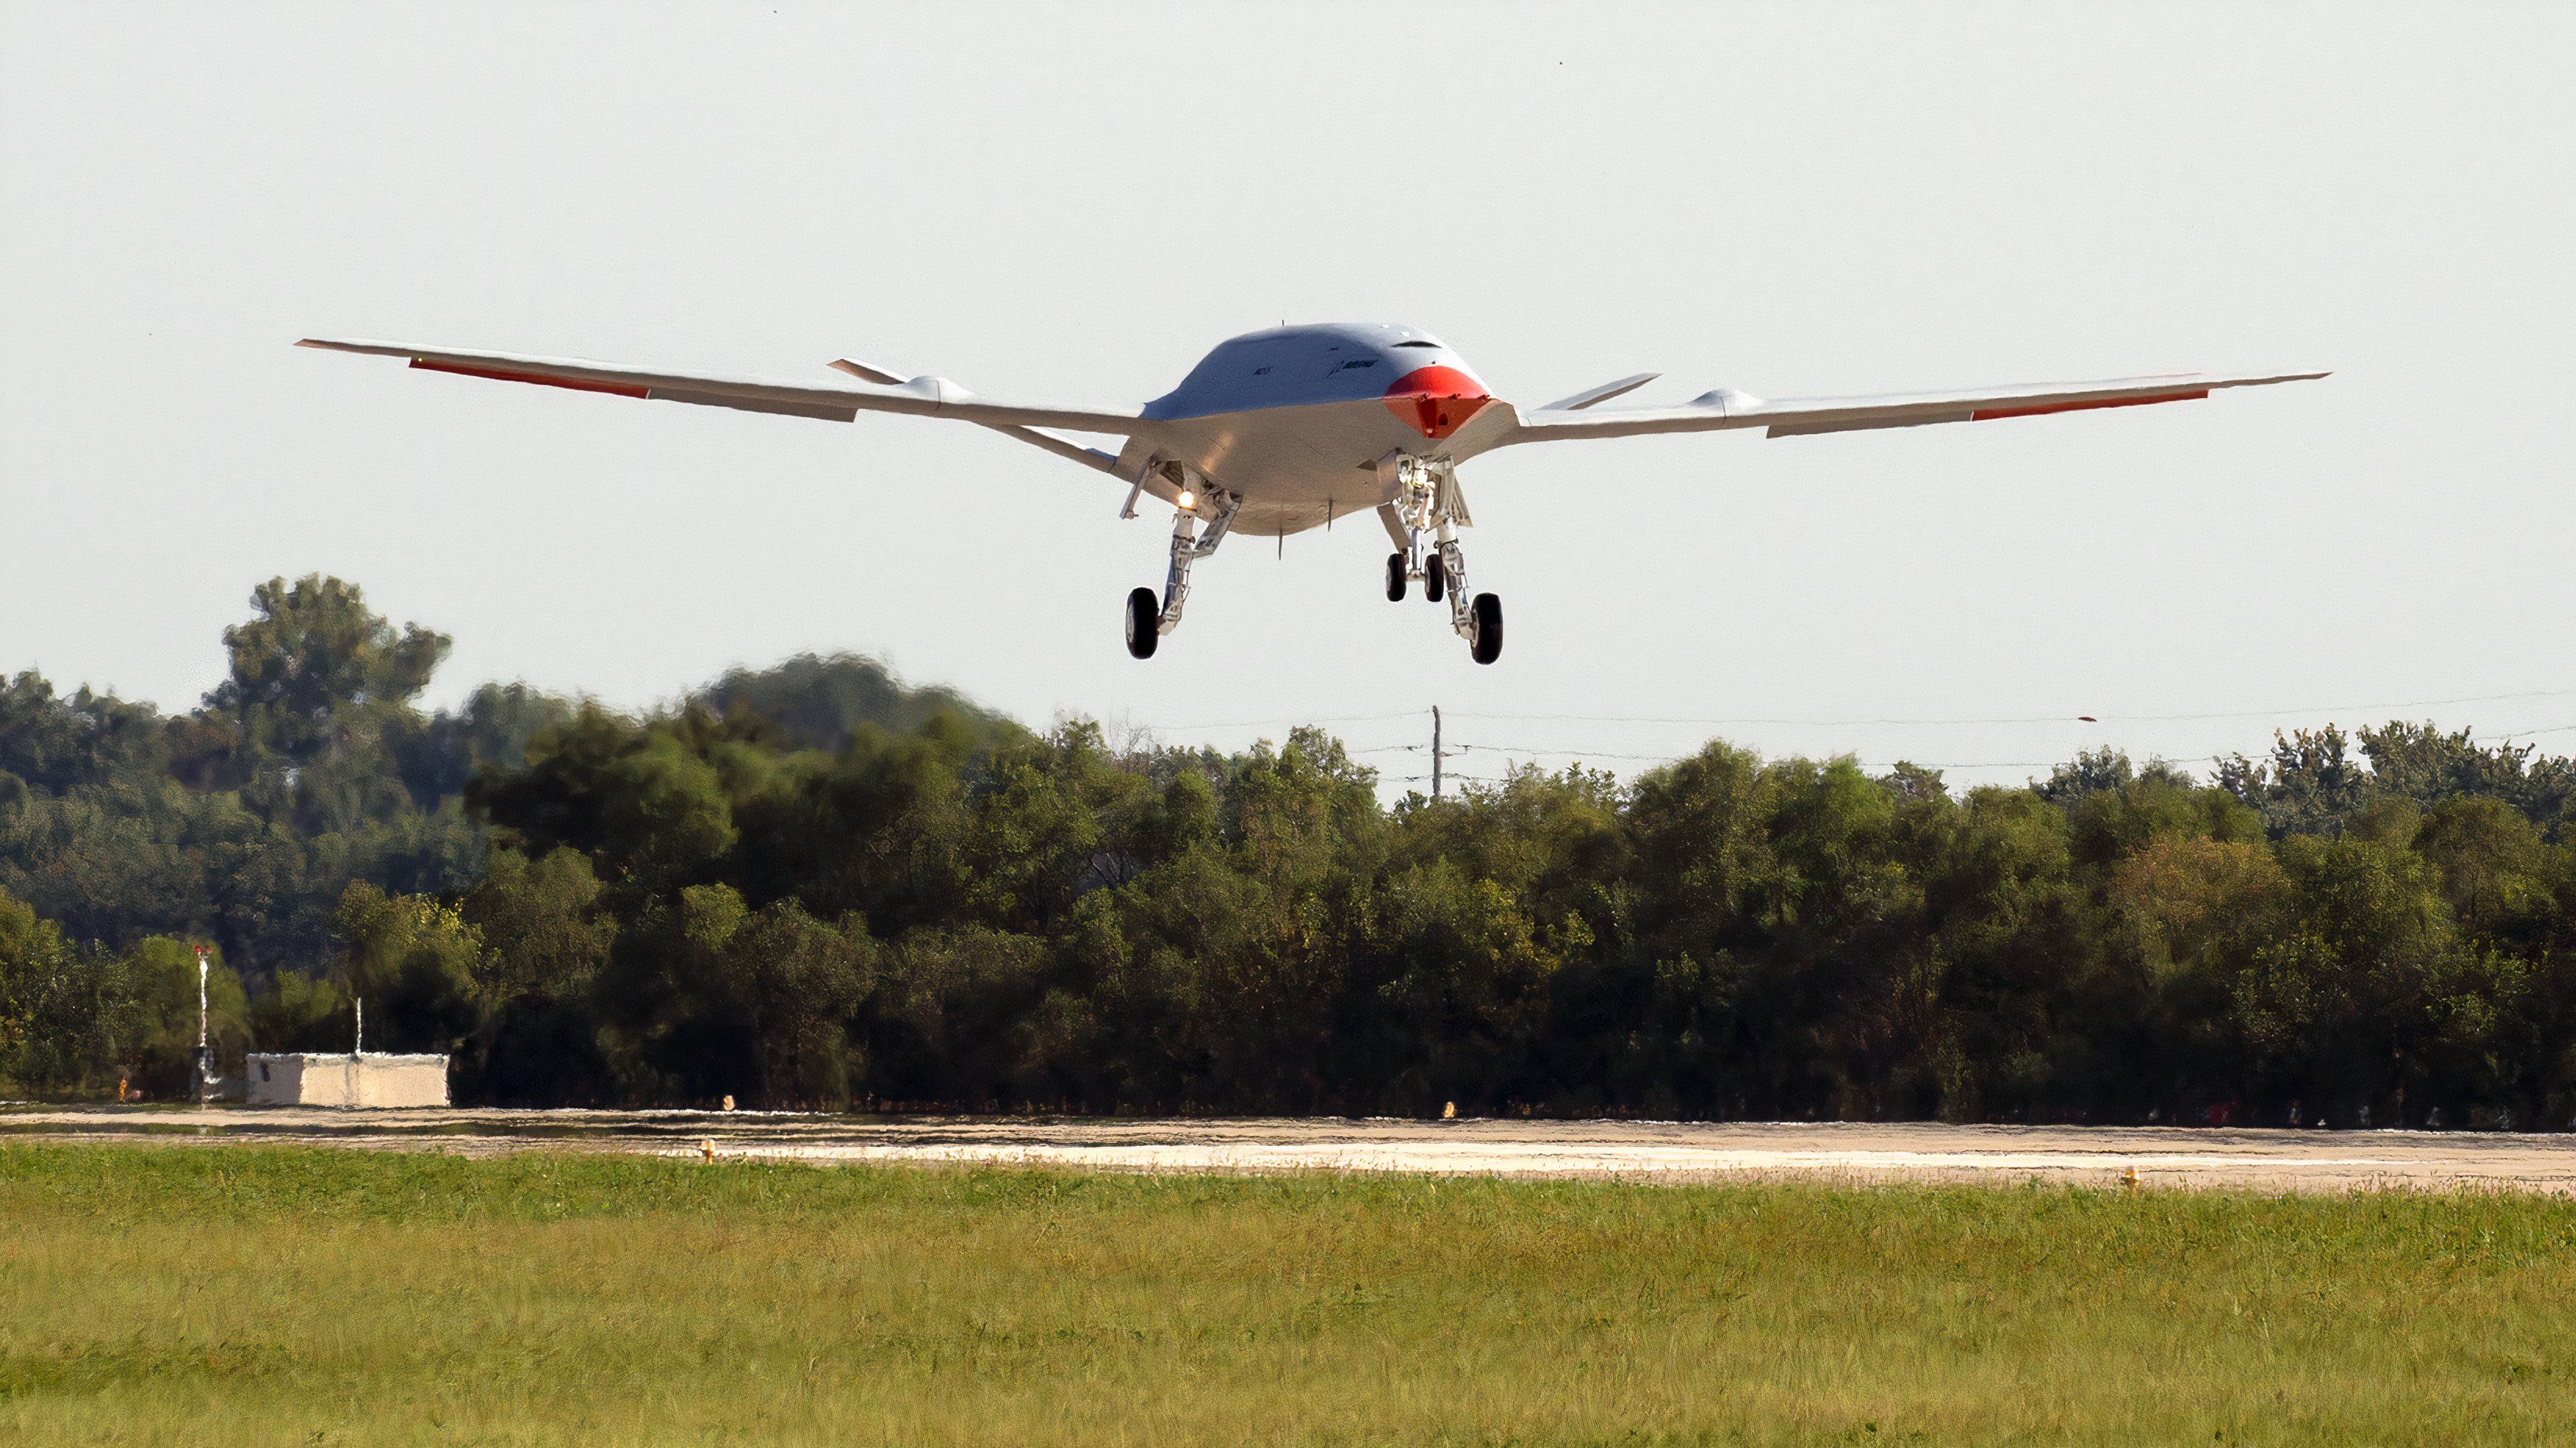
<point x="1395" y="578"/>
<point x="1435" y="578"/>
<point x="1485" y="644"/>
<point x="1144" y="622"/>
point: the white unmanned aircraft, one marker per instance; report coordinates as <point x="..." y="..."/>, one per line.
<point x="1278" y="431"/>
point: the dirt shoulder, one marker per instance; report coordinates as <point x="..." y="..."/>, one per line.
<point x="2267" y="1160"/>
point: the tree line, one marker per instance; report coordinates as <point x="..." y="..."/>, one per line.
<point x="812" y="887"/>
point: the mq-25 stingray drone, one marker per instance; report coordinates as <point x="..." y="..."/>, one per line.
<point x="1278" y="431"/>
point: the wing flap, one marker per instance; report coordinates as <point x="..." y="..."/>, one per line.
<point x="1809" y="429"/>
<point x="822" y="411"/>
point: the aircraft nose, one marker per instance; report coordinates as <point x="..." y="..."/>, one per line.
<point x="1436" y="401"/>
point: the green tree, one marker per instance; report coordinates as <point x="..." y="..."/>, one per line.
<point x="419" y="961"/>
<point x="31" y="953"/>
<point x="161" y="1050"/>
<point x="822" y="701"/>
<point x="2494" y="869"/>
<point x="56" y="744"/>
<point x="302" y="1013"/>
<point x="439" y="757"/>
<point x="2185" y="917"/>
<point x="2423" y="764"/>
<point x="637" y="798"/>
<point x="2309" y="785"/>
<point x="316" y="656"/>
<point x="2338" y="1006"/>
<point x="671" y="1027"/>
<point x="1447" y="991"/>
<point x="800" y="983"/>
<point x="879" y="830"/>
<point x="959" y="1019"/>
<point x="540" y="924"/>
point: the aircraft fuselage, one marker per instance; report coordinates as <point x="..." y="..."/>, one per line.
<point x="1294" y="420"/>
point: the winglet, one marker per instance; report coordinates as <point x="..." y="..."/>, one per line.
<point x="1602" y="393"/>
<point x="866" y="373"/>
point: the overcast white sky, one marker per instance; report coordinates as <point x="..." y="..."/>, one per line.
<point x="1075" y="203"/>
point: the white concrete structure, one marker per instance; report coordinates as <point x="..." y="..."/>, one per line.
<point x="346" y="1079"/>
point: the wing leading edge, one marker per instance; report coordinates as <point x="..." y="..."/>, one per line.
<point x="1800" y="416"/>
<point x="921" y="397"/>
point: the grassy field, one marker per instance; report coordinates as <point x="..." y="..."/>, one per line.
<point x="274" y="1295"/>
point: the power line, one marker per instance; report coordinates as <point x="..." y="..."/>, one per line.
<point x="1580" y="755"/>
<point x="1290" y="722"/>
<point x="1439" y="771"/>
<point x="2027" y="719"/>
<point x="1810" y="721"/>
<point x="1587" y="753"/>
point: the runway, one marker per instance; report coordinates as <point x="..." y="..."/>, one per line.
<point x="2264" y="1160"/>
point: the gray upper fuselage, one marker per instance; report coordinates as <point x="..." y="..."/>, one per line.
<point x="1294" y="419"/>
<point x="1301" y="365"/>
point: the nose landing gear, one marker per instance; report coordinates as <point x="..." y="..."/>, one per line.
<point x="1401" y="569"/>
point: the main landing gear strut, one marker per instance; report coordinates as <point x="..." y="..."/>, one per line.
<point x="1149" y="618"/>
<point x="1423" y="498"/>
<point x="1421" y="508"/>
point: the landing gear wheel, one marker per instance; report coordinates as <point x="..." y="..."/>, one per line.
<point x="1144" y="622"/>
<point x="1395" y="578"/>
<point x="1485" y="622"/>
<point x="1435" y="578"/>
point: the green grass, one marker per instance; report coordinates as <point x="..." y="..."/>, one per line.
<point x="275" y="1295"/>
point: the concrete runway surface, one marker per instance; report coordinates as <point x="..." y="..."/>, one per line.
<point x="2264" y="1160"/>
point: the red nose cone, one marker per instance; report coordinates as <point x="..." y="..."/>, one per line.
<point x="1435" y="401"/>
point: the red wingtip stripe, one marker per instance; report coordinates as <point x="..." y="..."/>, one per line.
<point x="1986" y="414"/>
<point x="620" y="389"/>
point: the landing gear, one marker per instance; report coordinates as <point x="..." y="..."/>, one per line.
<point x="1401" y="569"/>
<point x="1485" y="629"/>
<point x="1148" y="619"/>
<point x="1142" y="634"/>
<point x="1422" y="498"/>
<point x="1479" y="622"/>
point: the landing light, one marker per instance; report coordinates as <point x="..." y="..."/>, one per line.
<point x="1187" y="499"/>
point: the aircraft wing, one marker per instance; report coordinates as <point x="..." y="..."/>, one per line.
<point x="1798" y="416"/>
<point x="922" y="396"/>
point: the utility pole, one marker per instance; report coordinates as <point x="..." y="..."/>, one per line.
<point x="1435" y="751"/>
<point x="359" y="1047"/>
<point x="205" y="1054"/>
